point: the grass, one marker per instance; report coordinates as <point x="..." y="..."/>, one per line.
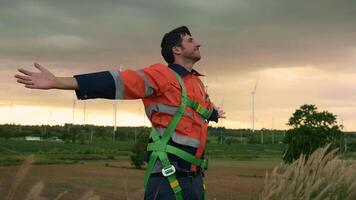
<point x="14" y="152"/>
<point x="322" y="176"/>
<point x="101" y="170"/>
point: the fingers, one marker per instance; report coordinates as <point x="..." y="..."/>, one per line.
<point x="23" y="77"/>
<point x="38" y="66"/>
<point x="30" y="86"/>
<point x="25" y="72"/>
<point x="25" y="82"/>
<point x="222" y="116"/>
<point x="221" y="113"/>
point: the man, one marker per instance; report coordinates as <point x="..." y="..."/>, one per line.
<point x="175" y="101"/>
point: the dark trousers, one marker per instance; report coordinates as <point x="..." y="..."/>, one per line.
<point x="158" y="188"/>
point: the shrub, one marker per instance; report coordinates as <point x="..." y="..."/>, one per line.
<point x="139" y="152"/>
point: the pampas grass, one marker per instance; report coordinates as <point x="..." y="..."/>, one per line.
<point x="35" y="192"/>
<point x="19" y="177"/>
<point x="89" y="195"/>
<point x="60" y="195"/>
<point x="322" y="176"/>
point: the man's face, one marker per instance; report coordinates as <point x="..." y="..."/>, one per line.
<point x="190" y="48"/>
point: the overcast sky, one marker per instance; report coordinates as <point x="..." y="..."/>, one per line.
<point x="299" y="51"/>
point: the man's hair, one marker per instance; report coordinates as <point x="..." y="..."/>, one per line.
<point x="171" y="39"/>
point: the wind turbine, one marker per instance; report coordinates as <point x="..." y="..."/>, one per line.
<point x="253" y="93"/>
<point x="73" y="111"/>
<point x="115" y="111"/>
<point x="115" y="114"/>
<point x="85" y="111"/>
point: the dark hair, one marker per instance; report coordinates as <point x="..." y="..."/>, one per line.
<point x="171" y="39"/>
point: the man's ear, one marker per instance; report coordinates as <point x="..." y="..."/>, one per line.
<point x="177" y="50"/>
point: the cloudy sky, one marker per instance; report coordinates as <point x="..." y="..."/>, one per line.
<point x="299" y="51"/>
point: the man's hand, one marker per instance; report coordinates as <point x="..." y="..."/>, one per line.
<point x="45" y="80"/>
<point x="221" y="113"/>
<point x="34" y="80"/>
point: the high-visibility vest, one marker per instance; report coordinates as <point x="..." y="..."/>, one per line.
<point x="160" y="147"/>
<point x="160" y="92"/>
<point x="178" y="108"/>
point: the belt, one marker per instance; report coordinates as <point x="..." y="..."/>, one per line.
<point x="180" y="174"/>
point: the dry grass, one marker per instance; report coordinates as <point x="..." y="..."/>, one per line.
<point x="323" y="176"/>
<point x="36" y="190"/>
<point x="89" y="195"/>
<point x="19" y="177"/>
<point x="60" y="195"/>
<point x="35" y="193"/>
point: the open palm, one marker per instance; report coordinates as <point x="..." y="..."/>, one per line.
<point x="37" y="80"/>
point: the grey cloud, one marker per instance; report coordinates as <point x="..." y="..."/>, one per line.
<point x="250" y="34"/>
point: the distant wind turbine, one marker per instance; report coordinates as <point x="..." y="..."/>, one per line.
<point x="85" y="112"/>
<point x="115" y="112"/>
<point x="253" y="93"/>
<point x="73" y="111"/>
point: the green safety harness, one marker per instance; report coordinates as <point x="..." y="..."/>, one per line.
<point x="160" y="148"/>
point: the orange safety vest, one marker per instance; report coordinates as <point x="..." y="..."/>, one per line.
<point x="160" y="92"/>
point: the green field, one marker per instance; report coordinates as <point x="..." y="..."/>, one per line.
<point x="236" y="171"/>
<point x="14" y="151"/>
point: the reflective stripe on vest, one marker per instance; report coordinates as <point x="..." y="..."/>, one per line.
<point x="149" y="88"/>
<point x="181" y="139"/>
<point x="169" y="110"/>
<point x="164" y="109"/>
<point x="119" y="85"/>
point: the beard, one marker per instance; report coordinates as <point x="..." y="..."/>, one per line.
<point x="193" y="56"/>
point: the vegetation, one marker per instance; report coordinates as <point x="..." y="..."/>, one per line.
<point x="311" y="129"/>
<point x="139" y="151"/>
<point x="322" y="175"/>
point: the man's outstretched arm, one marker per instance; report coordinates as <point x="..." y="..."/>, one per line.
<point x="111" y="84"/>
<point x="45" y="80"/>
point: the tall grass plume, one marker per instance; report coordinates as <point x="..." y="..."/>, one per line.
<point x="322" y="176"/>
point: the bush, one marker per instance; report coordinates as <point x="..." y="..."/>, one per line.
<point x="139" y="152"/>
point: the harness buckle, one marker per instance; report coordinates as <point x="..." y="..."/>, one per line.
<point x="167" y="171"/>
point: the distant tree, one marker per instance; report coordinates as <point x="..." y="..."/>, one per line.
<point x="253" y="137"/>
<point x="82" y="137"/>
<point x="139" y="151"/>
<point x="2" y="133"/>
<point x="310" y="130"/>
<point x="6" y="133"/>
<point x="74" y="132"/>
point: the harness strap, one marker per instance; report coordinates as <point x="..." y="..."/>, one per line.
<point x="160" y="148"/>
<point x="200" y="109"/>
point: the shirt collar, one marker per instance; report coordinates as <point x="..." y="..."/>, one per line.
<point x="179" y="69"/>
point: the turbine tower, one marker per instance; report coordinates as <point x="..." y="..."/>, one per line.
<point x="253" y="106"/>
<point x="85" y="112"/>
<point x="115" y="112"/>
<point x="73" y="111"/>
